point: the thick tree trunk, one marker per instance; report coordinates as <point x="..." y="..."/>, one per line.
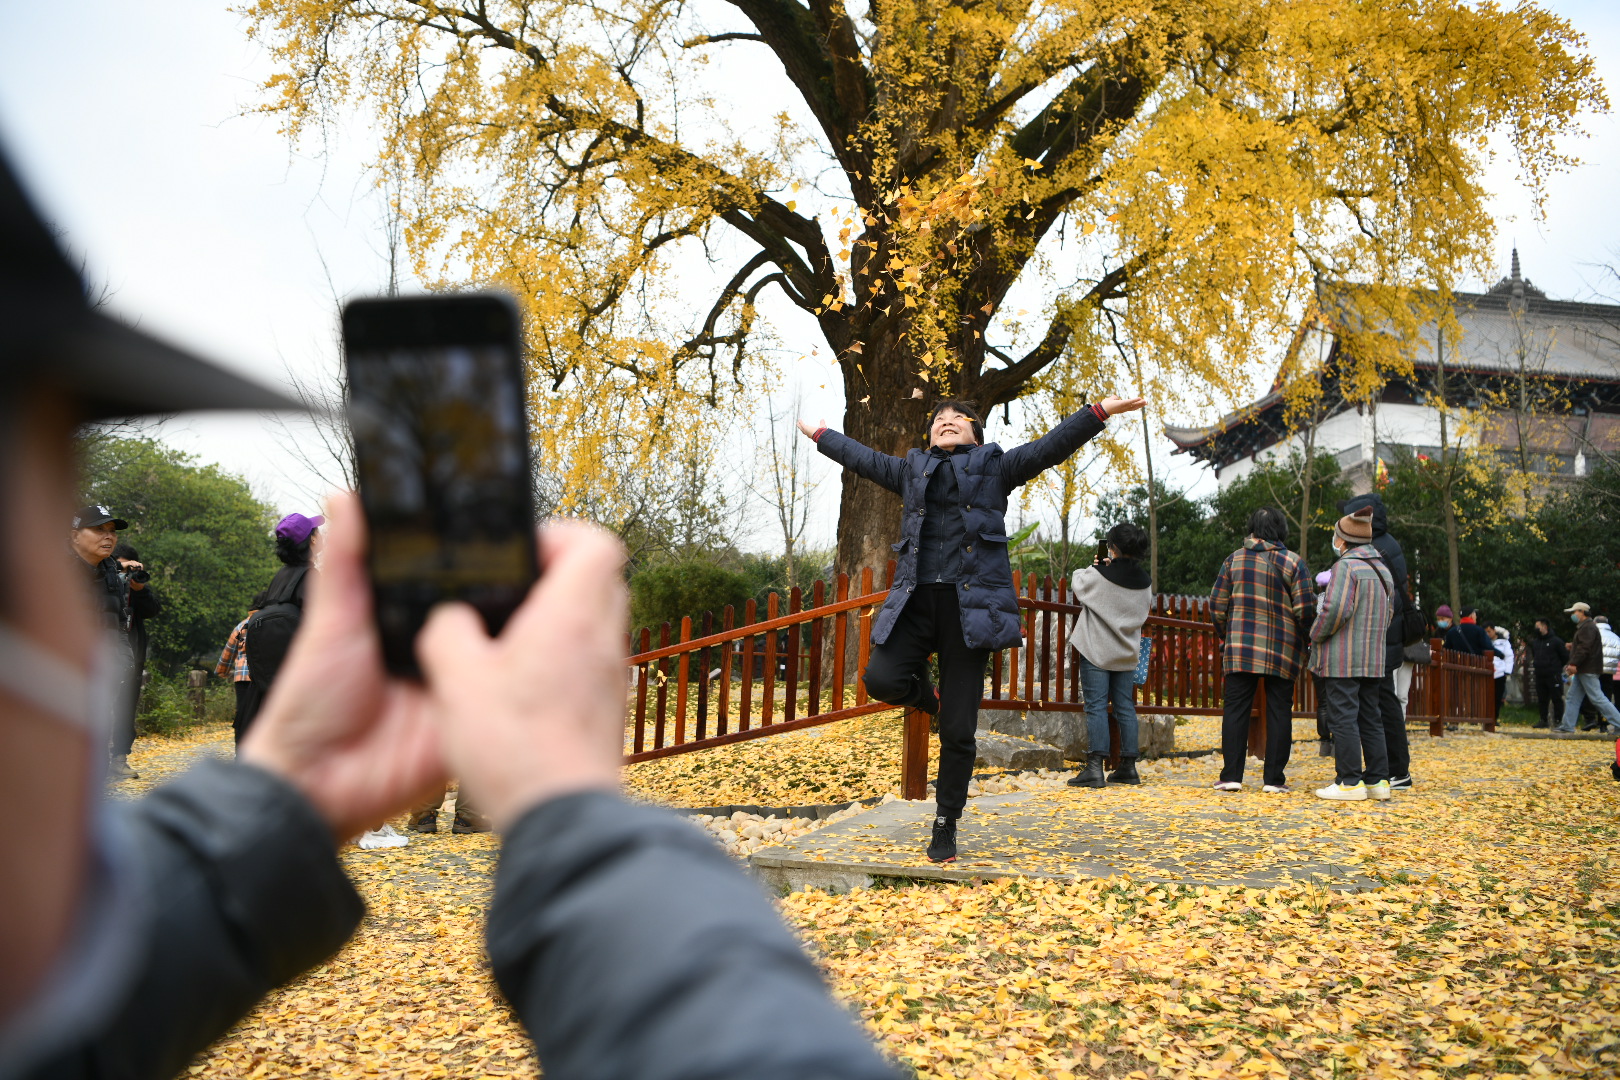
<point x="890" y="421"/>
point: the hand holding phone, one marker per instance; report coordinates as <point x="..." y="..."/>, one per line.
<point x="441" y="446"/>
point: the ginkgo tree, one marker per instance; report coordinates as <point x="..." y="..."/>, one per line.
<point x="1191" y="166"/>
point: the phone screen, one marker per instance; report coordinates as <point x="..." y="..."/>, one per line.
<point x="442" y="454"/>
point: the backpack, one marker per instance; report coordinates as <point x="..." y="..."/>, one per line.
<point x="269" y="633"/>
<point x="1413" y="628"/>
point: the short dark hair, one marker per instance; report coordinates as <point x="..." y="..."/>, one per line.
<point x="124" y="551"/>
<point x="1129" y="539"/>
<point x="1474" y="611"/>
<point x="1268" y="523"/>
<point x="291" y="552"/>
<point x="967" y="409"/>
<point x="1543" y="620"/>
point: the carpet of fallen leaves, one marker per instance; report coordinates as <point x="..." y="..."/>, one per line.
<point x="838" y="763"/>
<point x="1494" y="949"/>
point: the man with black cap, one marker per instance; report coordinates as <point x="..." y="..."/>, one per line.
<point x="117" y="602"/>
<point x="133" y="935"/>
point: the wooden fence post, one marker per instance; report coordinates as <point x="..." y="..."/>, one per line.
<point x="914" y="756"/>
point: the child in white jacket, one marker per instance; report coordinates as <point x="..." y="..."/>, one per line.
<point x="1115" y="597"/>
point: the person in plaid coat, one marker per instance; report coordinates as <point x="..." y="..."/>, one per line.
<point x="1348" y="636"/>
<point x="1261" y="601"/>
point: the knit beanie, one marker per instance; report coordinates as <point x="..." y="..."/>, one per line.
<point x="1356" y="529"/>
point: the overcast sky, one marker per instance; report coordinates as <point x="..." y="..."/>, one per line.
<point x="207" y="229"/>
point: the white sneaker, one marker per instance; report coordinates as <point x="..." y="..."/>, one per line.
<point x="1277" y="789"/>
<point x="1379" y="791"/>
<point x="1357" y="793"/>
<point x="1228" y="785"/>
<point x="384" y="837"/>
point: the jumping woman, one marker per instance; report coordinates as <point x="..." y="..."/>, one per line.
<point x="952" y="593"/>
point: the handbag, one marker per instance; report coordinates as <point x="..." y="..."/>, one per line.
<point x="1144" y="653"/>
<point x="1418" y="653"/>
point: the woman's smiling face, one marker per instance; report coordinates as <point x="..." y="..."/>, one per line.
<point x="951" y="429"/>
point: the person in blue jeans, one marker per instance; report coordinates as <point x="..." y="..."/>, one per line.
<point x="1585" y="669"/>
<point x="1114" y="597"/>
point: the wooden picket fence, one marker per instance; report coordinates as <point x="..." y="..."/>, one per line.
<point x="724" y="679"/>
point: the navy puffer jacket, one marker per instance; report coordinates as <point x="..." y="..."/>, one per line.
<point x="985" y="477"/>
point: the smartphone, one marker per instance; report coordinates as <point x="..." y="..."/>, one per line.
<point x="441" y="449"/>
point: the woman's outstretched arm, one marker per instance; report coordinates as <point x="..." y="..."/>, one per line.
<point x="880" y="468"/>
<point x="1023" y="463"/>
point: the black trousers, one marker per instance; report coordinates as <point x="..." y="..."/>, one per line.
<point x="897" y="672"/>
<point x="247" y="707"/>
<point x="1501" y="693"/>
<point x="1240" y="691"/>
<point x="1396" y="748"/>
<point x="1550" y="694"/>
<point x="1350" y="707"/>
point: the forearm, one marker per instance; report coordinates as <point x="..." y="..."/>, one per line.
<point x="1024" y="463"/>
<point x="632" y="947"/>
<point x="240" y="890"/>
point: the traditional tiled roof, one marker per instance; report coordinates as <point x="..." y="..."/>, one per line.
<point x="1556" y="339"/>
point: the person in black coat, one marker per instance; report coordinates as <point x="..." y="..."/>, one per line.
<point x="952" y="593"/>
<point x="1397" y="672"/>
<point x="1548" y="655"/>
<point x="121" y="602"/>
<point x="145" y="606"/>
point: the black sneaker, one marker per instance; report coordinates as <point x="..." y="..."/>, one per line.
<point x="942" y="846"/>
<point x="1400" y="782"/>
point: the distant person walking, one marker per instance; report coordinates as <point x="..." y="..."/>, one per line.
<point x="1262" y="606"/>
<point x="1548" y="655"/>
<point x="1502" y="664"/>
<point x="1586" y="669"/>
<point x="1349" y="655"/>
<point x="1114" y="599"/>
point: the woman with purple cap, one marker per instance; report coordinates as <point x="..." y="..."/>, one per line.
<point x="270" y="630"/>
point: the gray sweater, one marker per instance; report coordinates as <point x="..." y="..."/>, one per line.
<point x="1116" y="599"/>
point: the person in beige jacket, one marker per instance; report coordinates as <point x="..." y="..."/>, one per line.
<point x="1114" y="597"/>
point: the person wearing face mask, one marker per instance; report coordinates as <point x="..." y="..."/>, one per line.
<point x="1348" y="653"/>
<point x="952" y="594"/>
<point x="1585" y="668"/>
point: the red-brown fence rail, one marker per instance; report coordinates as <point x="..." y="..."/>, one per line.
<point x="732" y="678"/>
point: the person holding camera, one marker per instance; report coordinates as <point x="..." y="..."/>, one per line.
<point x="952" y="594"/>
<point x="133" y="934"/>
<point x="119" y="598"/>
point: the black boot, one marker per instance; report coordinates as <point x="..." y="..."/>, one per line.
<point x="1126" y="773"/>
<point x="1092" y="774"/>
<point x="942" y="845"/>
